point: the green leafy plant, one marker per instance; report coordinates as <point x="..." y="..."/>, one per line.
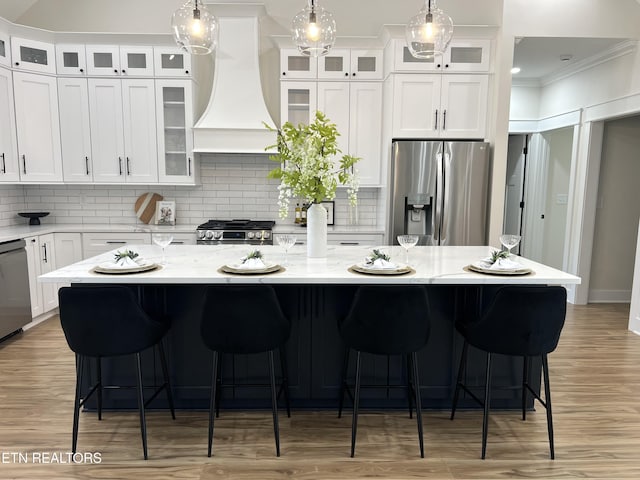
<point x="257" y="254"/>
<point x="378" y="255"/>
<point x="126" y="254"/>
<point x="307" y="169"/>
<point x="498" y="254"/>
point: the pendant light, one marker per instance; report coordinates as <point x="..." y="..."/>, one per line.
<point x="195" y="29"/>
<point x="313" y="30"/>
<point x="429" y="32"/>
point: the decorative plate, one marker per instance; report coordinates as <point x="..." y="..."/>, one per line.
<point x="489" y="271"/>
<point x="269" y="268"/>
<point x="401" y="270"/>
<point x="109" y="269"/>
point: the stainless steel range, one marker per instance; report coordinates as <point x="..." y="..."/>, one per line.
<point x="249" y="232"/>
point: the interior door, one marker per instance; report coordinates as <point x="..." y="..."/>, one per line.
<point x="514" y="194"/>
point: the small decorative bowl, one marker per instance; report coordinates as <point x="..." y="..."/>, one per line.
<point x="34" y="217"/>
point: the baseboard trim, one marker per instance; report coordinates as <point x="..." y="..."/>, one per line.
<point x="609" y="296"/>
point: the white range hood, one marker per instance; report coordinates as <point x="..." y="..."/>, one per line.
<point x="232" y="122"/>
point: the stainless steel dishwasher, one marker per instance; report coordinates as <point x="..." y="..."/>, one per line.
<point x="15" y="301"/>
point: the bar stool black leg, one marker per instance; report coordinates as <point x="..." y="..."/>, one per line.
<point x="410" y="392"/>
<point x="99" y="369"/>
<point x="525" y="382"/>
<point x="212" y="400"/>
<point x="76" y="404"/>
<point x="487" y="402"/>
<point x="547" y="401"/>
<point x="143" y="424"/>
<point x="356" y="400"/>
<point x="416" y="388"/>
<point x="461" y="369"/>
<point x="167" y="382"/>
<point x="219" y="387"/>
<point x="343" y="381"/>
<point x="274" y="403"/>
<point x="285" y="380"/>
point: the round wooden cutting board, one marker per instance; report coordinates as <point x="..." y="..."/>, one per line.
<point x="145" y="206"/>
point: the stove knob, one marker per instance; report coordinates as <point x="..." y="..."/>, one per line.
<point x="200" y="234"/>
<point x="266" y="235"/>
<point x="217" y="235"/>
<point x="209" y="234"/>
<point x="250" y="235"/>
<point x="258" y="235"/>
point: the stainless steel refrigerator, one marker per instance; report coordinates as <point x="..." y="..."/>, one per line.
<point x="440" y="191"/>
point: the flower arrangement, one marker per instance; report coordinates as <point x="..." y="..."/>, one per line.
<point x="307" y="169"/>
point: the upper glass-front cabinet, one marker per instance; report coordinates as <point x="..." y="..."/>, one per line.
<point x="356" y="64"/>
<point x="71" y="60"/>
<point x="462" y="55"/>
<point x="119" y="61"/>
<point x="171" y="62"/>
<point x="32" y="55"/>
<point x="5" y="51"/>
<point x="296" y="66"/>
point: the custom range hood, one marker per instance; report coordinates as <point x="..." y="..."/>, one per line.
<point x="232" y="122"/>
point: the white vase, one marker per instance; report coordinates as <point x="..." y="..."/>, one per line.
<point x="316" y="231"/>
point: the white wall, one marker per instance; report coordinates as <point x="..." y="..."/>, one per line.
<point x="525" y="103"/>
<point x="618" y="212"/>
<point x="11" y="202"/>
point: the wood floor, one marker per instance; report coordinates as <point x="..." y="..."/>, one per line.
<point x="595" y="379"/>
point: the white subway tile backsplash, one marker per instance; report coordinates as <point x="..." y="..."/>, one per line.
<point x="232" y="186"/>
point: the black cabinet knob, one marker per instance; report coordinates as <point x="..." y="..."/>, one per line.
<point x="446" y="66"/>
<point x="187" y="72"/>
<point x="346" y="74"/>
<point x="354" y="74"/>
<point x="124" y="71"/>
<point x="81" y="70"/>
<point x="115" y="70"/>
<point x="17" y="63"/>
<point x="438" y="65"/>
<point x="284" y="73"/>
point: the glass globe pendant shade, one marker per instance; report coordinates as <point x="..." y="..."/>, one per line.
<point x="313" y="30"/>
<point x="195" y="29"/>
<point x="429" y="32"/>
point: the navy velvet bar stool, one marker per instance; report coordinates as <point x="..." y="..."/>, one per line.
<point x="523" y="321"/>
<point x="386" y="320"/>
<point x="243" y="320"/>
<point x="108" y="322"/>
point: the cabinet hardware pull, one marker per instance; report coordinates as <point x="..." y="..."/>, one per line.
<point x="86" y="162"/>
<point x="187" y="72"/>
<point x="177" y="242"/>
<point x="82" y="70"/>
<point x="24" y="164"/>
<point x="284" y="73"/>
<point x="44" y="247"/>
<point x="189" y="158"/>
<point x="349" y="243"/>
<point x="346" y="74"/>
<point x="444" y="120"/>
<point x="299" y="243"/>
<point x="353" y="74"/>
<point x="4" y="166"/>
<point x="115" y="242"/>
<point x="115" y="70"/>
<point x="120" y="165"/>
<point x="438" y="66"/>
<point x="436" y="125"/>
<point x="128" y="166"/>
<point x="124" y="71"/>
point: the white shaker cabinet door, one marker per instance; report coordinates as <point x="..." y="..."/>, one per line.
<point x="107" y="138"/>
<point x="365" y="130"/>
<point x="75" y="136"/>
<point x="8" y="152"/>
<point x="416" y="106"/>
<point x="38" y="127"/>
<point x="333" y="101"/>
<point x="140" y="141"/>
<point x="464" y="106"/>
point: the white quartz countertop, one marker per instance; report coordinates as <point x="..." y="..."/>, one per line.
<point x="199" y="264"/>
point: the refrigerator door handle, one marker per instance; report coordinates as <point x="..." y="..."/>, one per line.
<point x="446" y="167"/>
<point x="437" y="218"/>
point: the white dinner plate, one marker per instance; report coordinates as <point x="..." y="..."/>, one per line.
<point x="112" y="268"/>
<point x="268" y="268"/>
<point x="475" y="267"/>
<point x="364" y="268"/>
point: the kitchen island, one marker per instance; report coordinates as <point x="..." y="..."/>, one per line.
<point x="314" y="294"/>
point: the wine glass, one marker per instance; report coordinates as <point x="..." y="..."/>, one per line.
<point x="407" y="241"/>
<point x="509" y="241"/>
<point x="162" y="240"/>
<point x="286" y="242"/>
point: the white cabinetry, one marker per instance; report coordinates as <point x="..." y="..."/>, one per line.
<point x="75" y="133"/>
<point x="462" y="55"/>
<point x="71" y="60"/>
<point x="123" y="130"/>
<point x="344" y="239"/>
<point x="298" y="101"/>
<point x="356" y="109"/>
<point x="33" y="56"/>
<point x="439" y="106"/>
<point x="174" y="115"/>
<point x="5" y="50"/>
<point x="171" y="62"/>
<point x="296" y="66"/>
<point x="41" y="260"/>
<point x="68" y="248"/>
<point x="113" y="60"/>
<point x="96" y="243"/>
<point x="38" y="127"/>
<point x="355" y="64"/>
<point x="8" y="152"/>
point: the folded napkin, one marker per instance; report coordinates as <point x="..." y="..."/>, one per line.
<point x="251" y="264"/>
<point x="124" y="263"/>
<point x="380" y="263"/>
<point x="500" y="264"/>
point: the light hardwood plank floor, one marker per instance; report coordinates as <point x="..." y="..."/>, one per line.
<point x="595" y="380"/>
